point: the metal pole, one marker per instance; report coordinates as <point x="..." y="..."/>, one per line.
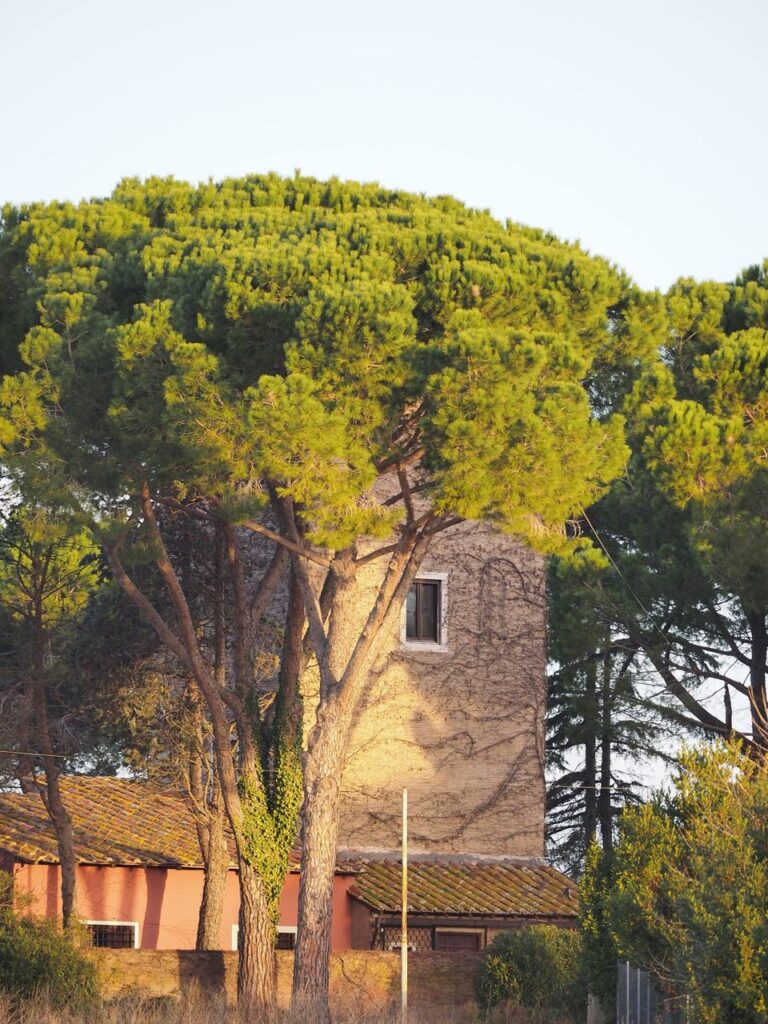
<point x="404" y="918"/>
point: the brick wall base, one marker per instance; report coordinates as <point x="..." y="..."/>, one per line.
<point x="360" y="979"/>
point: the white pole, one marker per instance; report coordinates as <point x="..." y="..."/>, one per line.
<point x="404" y="918"/>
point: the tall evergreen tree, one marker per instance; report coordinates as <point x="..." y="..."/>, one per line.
<point x="702" y="435"/>
<point x="344" y="370"/>
<point x="680" y="605"/>
<point x="606" y="716"/>
<point x="48" y="566"/>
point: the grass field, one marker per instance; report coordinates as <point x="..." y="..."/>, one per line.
<point x="196" y="1008"/>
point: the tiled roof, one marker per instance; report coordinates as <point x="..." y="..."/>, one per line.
<point x="115" y="821"/>
<point x="466" y="886"/>
<point x="132" y="822"/>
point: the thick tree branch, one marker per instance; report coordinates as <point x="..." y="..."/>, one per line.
<point x="286" y="515"/>
<point x="393" y="591"/>
<point x="689" y="702"/>
<point x="243" y="673"/>
<point x="145" y="606"/>
<point x="294" y="547"/>
<point x="268" y="583"/>
<point x="405" y="486"/>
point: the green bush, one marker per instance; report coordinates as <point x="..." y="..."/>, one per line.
<point x="600" y="951"/>
<point x="688" y="889"/>
<point x="36" y="958"/>
<point x="538" y="968"/>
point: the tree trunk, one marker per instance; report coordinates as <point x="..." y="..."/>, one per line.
<point x="757" y="678"/>
<point x="65" y="840"/>
<point x="345" y="670"/>
<point x="216" y="862"/>
<point x="590" y="754"/>
<point x="26" y="762"/>
<point x="256" y="944"/>
<point x="54" y="803"/>
<point x="323" y="766"/>
<point x="208" y="810"/>
<point x="604" y="805"/>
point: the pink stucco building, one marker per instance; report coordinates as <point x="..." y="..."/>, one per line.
<point x="139" y="875"/>
<point x="139" y="878"/>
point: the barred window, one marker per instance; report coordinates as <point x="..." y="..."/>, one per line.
<point x="286" y="938"/>
<point x="114" y="935"/>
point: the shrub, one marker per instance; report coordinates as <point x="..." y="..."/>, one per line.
<point x="689" y="886"/>
<point x="36" y="958"/>
<point x="600" y="952"/>
<point x="538" y="968"/>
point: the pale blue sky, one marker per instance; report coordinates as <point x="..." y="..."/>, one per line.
<point x="638" y="128"/>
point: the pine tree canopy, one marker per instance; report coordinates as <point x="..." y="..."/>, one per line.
<point x="303" y="335"/>
<point x="705" y="420"/>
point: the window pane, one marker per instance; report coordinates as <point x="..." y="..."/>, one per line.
<point x="422" y="612"/>
<point x="419" y="939"/>
<point x="428" y="611"/>
<point x="410" y="615"/>
<point x="286" y="940"/>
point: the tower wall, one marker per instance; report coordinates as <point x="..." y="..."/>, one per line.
<point x="462" y="728"/>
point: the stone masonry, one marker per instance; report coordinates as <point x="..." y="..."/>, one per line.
<point x="462" y="727"/>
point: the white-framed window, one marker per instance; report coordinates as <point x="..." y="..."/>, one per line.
<point x="424" y="624"/>
<point x="286" y="936"/>
<point x="459" y="940"/>
<point x="114" y="934"/>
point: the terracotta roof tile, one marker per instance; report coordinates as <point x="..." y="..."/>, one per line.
<point x="468" y="886"/>
<point x="115" y="821"/>
<point x="132" y="822"/>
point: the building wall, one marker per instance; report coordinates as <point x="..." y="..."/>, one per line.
<point x="362" y="982"/>
<point x="163" y="901"/>
<point x="463" y="729"/>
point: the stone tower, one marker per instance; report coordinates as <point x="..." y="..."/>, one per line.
<point x="456" y="711"/>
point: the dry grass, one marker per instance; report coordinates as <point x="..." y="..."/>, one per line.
<point x="197" y="1007"/>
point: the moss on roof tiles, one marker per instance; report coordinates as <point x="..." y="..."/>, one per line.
<point x="115" y="821"/>
<point x="131" y="822"/>
<point x="468" y="887"/>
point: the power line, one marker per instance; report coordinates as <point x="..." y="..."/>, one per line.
<point x="623" y="578"/>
